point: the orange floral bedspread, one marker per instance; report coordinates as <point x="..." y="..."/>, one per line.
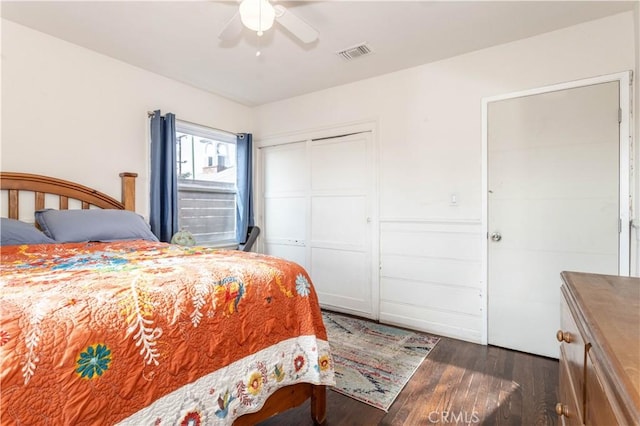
<point x="149" y="333"/>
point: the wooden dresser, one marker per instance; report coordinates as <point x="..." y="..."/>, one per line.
<point x="599" y="350"/>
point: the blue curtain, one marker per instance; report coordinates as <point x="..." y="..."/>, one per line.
<point x="244" y="210"/>
<point x="163" y="215"/>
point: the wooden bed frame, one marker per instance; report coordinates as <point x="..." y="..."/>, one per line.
<point x="15" y="183"/>
<point x="65" y="190"/>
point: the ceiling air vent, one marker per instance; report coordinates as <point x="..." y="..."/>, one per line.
<point x="355" y="52"/>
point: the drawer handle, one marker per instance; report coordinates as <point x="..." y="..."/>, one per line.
<point x="564" y="336"/>
<point x="562" y="409"/>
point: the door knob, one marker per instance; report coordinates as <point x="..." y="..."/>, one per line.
<point x="496" y="236"/>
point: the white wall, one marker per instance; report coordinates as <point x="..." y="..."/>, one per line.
<point x="75" y="114"/>
<point x="429" y="131"/>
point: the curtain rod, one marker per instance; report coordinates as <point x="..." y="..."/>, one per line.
<point x="241" y="135"/>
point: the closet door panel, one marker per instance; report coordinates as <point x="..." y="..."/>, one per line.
<point x="285" y="169"/>
<point x="341" y="278"/>
<point x="340" y="231"/>
<point x="286" y="183"/>
<point x="339" y="164"/>
<point x="339" y="221"/>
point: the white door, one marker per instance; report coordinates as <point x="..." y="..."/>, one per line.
<point x="341" y="222"/>
<point x="286" y="188"/>
<point x="318" y="213"/>
<point x="553" y="205"/>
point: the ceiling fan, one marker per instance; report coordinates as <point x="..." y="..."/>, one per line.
<point x="259" y="16"/>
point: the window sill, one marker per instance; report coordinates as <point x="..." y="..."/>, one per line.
<point x="222" y="246"/>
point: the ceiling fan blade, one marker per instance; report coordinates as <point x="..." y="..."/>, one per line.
<point x="232" y="29"/>
<point x="295" y="25"/>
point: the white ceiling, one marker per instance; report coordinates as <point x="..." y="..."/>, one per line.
<point x="180" y="39"/>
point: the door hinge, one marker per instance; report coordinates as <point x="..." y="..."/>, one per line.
<point x="619" y="225"/>
<point x="619" y="115"/>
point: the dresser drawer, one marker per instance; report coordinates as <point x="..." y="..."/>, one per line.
<point x="573" y="350"/>
<point x="568" y="408"/>
<point x="599" y="410"/>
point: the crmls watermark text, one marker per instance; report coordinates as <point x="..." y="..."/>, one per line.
<point x="455" y="417"/>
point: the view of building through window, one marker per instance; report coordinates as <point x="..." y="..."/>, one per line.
<point x="205" y="159"/>
<point x="206" y="168"/>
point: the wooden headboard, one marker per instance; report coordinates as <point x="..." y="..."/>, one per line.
<point x="39" y="186"/>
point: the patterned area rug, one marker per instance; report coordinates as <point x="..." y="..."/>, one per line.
<point x="373" y="362"/>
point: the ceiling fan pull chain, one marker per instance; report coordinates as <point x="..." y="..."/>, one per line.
<point x="259" y="23"/>
<point x="258" y="52"/>
<point x="260" y="33"/>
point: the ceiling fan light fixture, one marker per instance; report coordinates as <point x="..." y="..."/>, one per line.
<point x="257" y="15"/>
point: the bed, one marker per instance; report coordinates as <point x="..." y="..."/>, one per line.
<point x="138" y="332"/>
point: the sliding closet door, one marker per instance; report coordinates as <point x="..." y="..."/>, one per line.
<point x="286" y="199"/>
<point x="341" y="222"/>
<point x="318" y="213"/>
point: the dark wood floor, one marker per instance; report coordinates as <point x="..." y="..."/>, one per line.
<point x="459" y="383"/>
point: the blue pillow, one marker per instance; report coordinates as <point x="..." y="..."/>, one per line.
<point x="69" y="226"/>
<point x="14" y="232"/>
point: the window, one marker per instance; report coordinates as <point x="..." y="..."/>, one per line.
<point x="206" y="168"/>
